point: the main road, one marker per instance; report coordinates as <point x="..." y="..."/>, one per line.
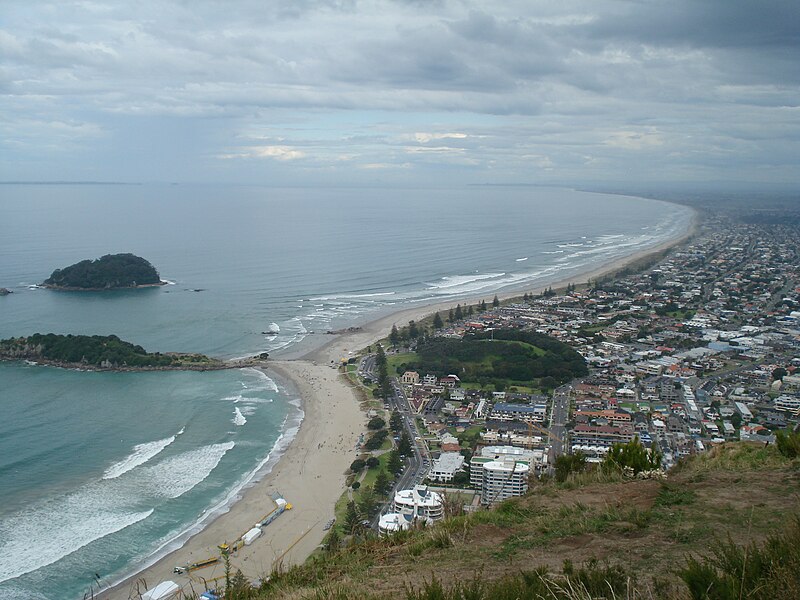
<point x="415" y="466"/>
<point x="559" y="417"/>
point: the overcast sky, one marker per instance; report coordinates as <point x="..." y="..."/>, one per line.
<point x="349" y="92"/>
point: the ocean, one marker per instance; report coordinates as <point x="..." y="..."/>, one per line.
<point x="103" y="472"/>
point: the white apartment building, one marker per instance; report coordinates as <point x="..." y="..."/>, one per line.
<point x="503" y="479"/>
<point x="419" y="503"/>
<point x="501" y="472"/>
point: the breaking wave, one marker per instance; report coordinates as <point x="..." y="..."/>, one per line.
<point x="140" y="455"/>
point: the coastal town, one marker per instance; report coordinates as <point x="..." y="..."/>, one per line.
<point x="696" y="347"/>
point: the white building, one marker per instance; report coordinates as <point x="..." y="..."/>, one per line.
<point x="419" y="503"/>
<point x="446" y="466"/>
<point x="503" y="479"/>
<point x="480" y="412"/>
<point x="501" y="472"/>
<point x="789" y="404"/>
<point x="393" y="522"/>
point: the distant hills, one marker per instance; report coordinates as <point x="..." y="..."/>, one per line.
<point x="112" y="271"/>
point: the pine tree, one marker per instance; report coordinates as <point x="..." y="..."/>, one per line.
<point x="381" y="484"/>
<point x="495" y="302"/>
<point x="394" y="464"/>
<point x="395" y="422"/>
<point x="334" y="540"/>
<point x="413" y="331"/>
<point x="404" y="445"/>
<point x="450" y="316"/>
<point x="383" y="373"/>
<point x="394" y="336"/>
<point x="459" y="313"/>
<point x="367" y="502"/>
<point x="352" y="522"/>
<point x="470" y="311"/>
<point x="437" y="321"/>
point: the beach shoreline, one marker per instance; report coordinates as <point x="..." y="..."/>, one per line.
<point x="345" y="345"/>
<point x="311" y="474"/>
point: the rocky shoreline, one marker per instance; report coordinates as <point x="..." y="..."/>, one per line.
<point x="216" y="365"/>
<point x="60" y="288"/>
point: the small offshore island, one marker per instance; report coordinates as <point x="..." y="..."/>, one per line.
<point x="109" y="272"/>
<point x="107" y="353"/>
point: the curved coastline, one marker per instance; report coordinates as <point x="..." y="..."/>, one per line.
<point x="373" y="329"/>
<point x="333" y="421"/>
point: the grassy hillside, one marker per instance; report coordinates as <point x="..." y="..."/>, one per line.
<point x="593" y="536"/>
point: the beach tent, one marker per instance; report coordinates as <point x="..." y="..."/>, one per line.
<point x="249" y="537"/>
<point x="166" y="590"/>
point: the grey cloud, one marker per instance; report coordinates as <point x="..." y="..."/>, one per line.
<point x="564" y="86"/>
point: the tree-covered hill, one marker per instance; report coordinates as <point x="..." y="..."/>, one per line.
<point x="96" y="351"/>
<point x="508" y="355"/>
<point x="111" y="271"/>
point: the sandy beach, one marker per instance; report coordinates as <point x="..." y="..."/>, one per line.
<point x="311" y="473"/>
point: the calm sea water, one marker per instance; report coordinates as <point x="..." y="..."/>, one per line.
<point x="99" y="471"/>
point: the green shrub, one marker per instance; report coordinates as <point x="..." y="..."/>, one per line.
<point x="632" y="456"/>
<point x="788" y="443"/>
<point x="754" y="572"/>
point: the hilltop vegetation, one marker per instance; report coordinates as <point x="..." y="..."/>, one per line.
<point x="95" y="351"/>
<point x="112" y="271"/>
<point x="722" y="526"/>
<point x="510" y="356"/>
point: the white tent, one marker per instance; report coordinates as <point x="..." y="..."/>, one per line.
<point x="163" y="591"/>
<point x="252" y="535"/>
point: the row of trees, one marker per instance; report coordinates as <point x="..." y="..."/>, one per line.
<point x="370" y="497"/>
<point x="458" y="313"/>
<point x="384" y="384"/>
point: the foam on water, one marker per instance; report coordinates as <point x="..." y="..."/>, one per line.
<point x="459" y="281"/>
<point x="177" y="475"/>
<point x="521" y="259"/>
<point x="140" y="455"/>
<point x="238" y="417"/>
<point x="289" y="428"/>
<point x="351" y="296"/>
<point x="47" y="532"/>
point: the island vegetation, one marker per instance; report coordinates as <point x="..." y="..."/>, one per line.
<point x="112" y="271"/>
<point x="98" y="352"/>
